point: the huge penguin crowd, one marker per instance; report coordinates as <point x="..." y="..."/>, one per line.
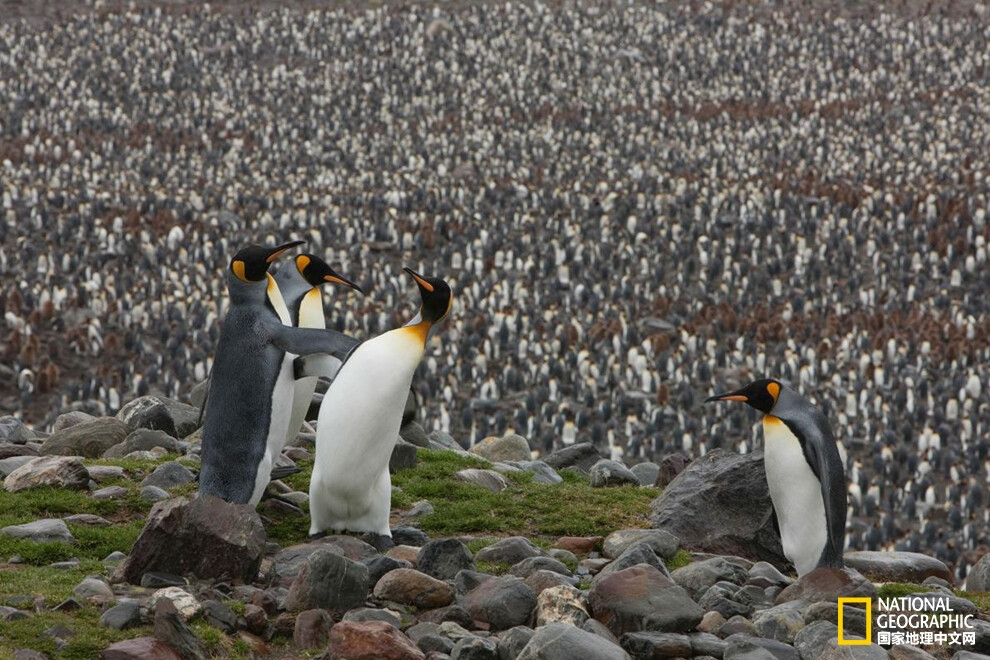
<point x="635" y="206"/>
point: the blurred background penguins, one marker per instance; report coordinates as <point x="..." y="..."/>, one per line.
<point x="359" y="422"/>
<point x="804" y="473"/>
<point x="249" y="408"/>
<point x="299" y="284"/>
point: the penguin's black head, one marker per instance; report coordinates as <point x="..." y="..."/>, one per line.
<point x="251" y="264"/>
<point x="316" y="271"/>
<point x="436" y="296"/>
<point x="760" y="394"/>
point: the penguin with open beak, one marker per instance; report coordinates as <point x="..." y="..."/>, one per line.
<point x="359" y="420"/>
<point x="250" y="391"/>
<point x="804" y="473"/>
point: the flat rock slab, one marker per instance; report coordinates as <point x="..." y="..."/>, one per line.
<point x="489" y="479"/>
<point x="140" y="648"/>
<point x="329" y="581"/>
<point x="663" y="542"/>
<point x="562" y="641"/>
<point x="208" y="538"/>
<point x="721" y="504"/>
<point x="641" y="598"/>
<point x="89" y="439"/>
<point x="897" y="566"/>
<point x="502" y="602"/>
<point x="40" y="531"/>
<point x="507" y="448"/>
<point x="362" y="640"/>
<point x="55" y="471"/>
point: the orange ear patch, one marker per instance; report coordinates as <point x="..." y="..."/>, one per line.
<point x="301" y="262"/>
<point x="774" y="390"/>
<point x="238" y="268"/>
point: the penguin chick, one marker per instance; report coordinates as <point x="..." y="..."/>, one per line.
<point x="359" y="420"/>
<point x="300" y="285"/>
<point x="248" y="414"/>
<point x="804" y="473"/>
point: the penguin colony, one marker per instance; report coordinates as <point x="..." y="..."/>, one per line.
<point x="635" y="207"/>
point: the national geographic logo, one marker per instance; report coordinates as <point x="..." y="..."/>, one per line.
<point x="913" y="620"/>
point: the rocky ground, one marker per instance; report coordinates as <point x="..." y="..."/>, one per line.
<point x="108" y="551"/>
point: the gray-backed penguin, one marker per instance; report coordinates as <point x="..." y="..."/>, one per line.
<point x="359" y="420"/>
<point x="804" y="472"/>
<point x="247" y="414"/>
<point x="299" y="285"/>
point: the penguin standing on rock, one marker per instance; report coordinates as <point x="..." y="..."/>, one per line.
<point x="300" y="287"/>
<point x="804" y="474"/>
<point x="248" y="412"/>
<point x="359" y="420"/>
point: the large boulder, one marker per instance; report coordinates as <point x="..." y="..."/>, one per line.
<point x="143" y="439"/>
<point x="897" y="566"/>
<point x="828" y="584"/>
<point x="328" y="581"/>
<point x="208" y="538"/>
<point x="979" y="576"/>
<point x="641" y="598"/>
<point x="582" y="456"/>
<point x="367" y="640"/>
<point x="721" y="504"/>
<point x="144" y="412"/>
<point x="46" y="530"/>
<point x="611" y="473"/>
<point x="507" y="448"/>
<point x="444" y="558"/>
<point x="408" y="586"/>
<point x="562" y="641"/>
<point x="89" y="439"/>
<point x="501" y="602"/>
<point x="57" y="471"/>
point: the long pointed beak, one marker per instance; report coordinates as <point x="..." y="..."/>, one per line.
<point x="730" y="396"/>
<point x="419" y="280"/>
<point x="337" y="279"/>
<point x="276" y="252"/>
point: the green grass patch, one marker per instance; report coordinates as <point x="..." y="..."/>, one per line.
<point x="493" y="567"/>
<point x="679" y="560"/>
<point x="979" y="598"/>
<point x="134" y="466"/>
<point x="526" y="508"/>
<point x="898" y="589"/>
<point x="86" y="644"/>
<point x="300" y="480"/>
<point x="54" y="584"/>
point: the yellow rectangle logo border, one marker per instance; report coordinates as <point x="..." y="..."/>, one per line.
<point x="869" y="622"/>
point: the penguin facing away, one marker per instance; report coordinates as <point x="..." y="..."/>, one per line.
<point x="804" y="473"/>
<point x="248" y="414"/>
<point x="359" y="420"/>
<point x="299" y="285"/>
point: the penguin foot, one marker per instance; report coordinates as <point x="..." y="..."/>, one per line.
<point x="317" y="536"/>
<point x="379" y="542"/>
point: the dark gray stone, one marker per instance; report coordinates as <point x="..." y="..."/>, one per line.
<point x="372" y="614"/>
<point x="656" y="644"/>
<point x="562" y="641"/>
<point x="158" y="580"/>
<point x="467" y="580"/>
<point x="14" y="430"/>
<point x="698" y="576"/>
<point x="172" y="630"/>
<point x="430" y="642"/>
<point x="403" y="457"/>
<point x="328" y="581"/>
<point x="502" y="602"/>
<point x="639" y="553"/>
<point x="220" y="616"/>
<point x="743" y="647"/>
<point x="89" y="439"/>
<point x="312" y="629"/>
<point x="581" y="456"/>
<point x="642" y="598"/>
<point x="47" y="530"/>
<point x="184" y="417"/>
<point x="611" y="473"/>
<point x="474" y="648"/>
<point x="403" y="535"/>
<point x="513" y="641"/>
<point x="144" y="440"/>
<point x="511" y="550"/>
<point x="886" y="566"/>
<point x="647" y="473"/>
<point x="444" y="558"/>
<point x="380" y="565"/>
<point x="125" y="614"/>
<point x="721" y="504"/>
<point x="169" y="475"/>
<point x="530" y="565"/>
<point x="542" y="473"/>
<point x="810" y="640"/>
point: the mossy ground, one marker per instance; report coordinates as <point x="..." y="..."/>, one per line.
<point x="538" y="511"/>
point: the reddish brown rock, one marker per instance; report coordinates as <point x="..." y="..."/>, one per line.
<point x="410" y="587"/>
<point x="579" y="545"/>
<point x="312" y="629"/>
<point x="827" y="584"/>
<point x="371" y="640"/>
<point x="641" y="598"/>
<point x="255" y="643"/>
<point x="140" y="648"/>
<point x="540" y="580"/>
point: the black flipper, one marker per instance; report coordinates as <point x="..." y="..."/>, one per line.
<point x="306" y="341"/>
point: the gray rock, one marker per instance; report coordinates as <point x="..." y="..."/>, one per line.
<point x="827" y="584"/>
<point x="810" y="640"/>
<point x="513" y="641"/>
<point x="581" y="456"/>
<point x="743" y="647"/>
<point x="125" y="614"/>
<point x="979" y="575"/>
<point x="143" y="439"/>
<point x="721" y="504"/>
<point x="641" y="598"/>
<point x="154" y="494"/>
<point x="404" y="535"/>
<point x="507" y="448"/>
<point x="312" y="629"/>
<point x="511" y="550"/>
<point x="403" y="457"/>
<point x="769" y="572"/>
<point x="434" y="643"/>
<point x="220" y="616"/>
<point x="184" y="417"/>
<point x="88" y="519"/>
<point x="466" y="580"/>
<point x="896" y="566"/>
<point x="474" y="648"/>
<point x="169" y="475"/>
<point x="663" y="543"/>
<point x="14" y="430"/>
<point x="415" y="434"/>
<point x="380" y="565"/>
<point x="444" y="558"/>
<point x="707" y="644"/>
<point x="328" y="581"/>
<point x="109" y="493"/>
<point x="372" y="614"/>
<point x="542" y="473"/>
<point x="71" y="418"/>
<point x="55" y="471"/>
<point x="502" y="602"/>
<point x="656" y="644"/>
<point x="611" y="473"/>
<point x="47" y="530"/>
<point x="906" y="652"/>
<point x="562" y="641"/>
<point x="833" y="651"/>
<point x="530" y="565"/>
<point x="698" y="576"/>
<point x="208" y="538"/>
<point x="114" y="557"/>
<point x="781" y="623"/>
<point x="419" y="509"/>
<point x="647" y="473"/>
<point x="171" y="629"/>
<point x="489" y="479"/>
<point x="719" y="599"/>
<point x="561" y="604"/>
<point x="101" y="473"/>
<point x="638" y="553"/>
<point x="89" y="439"/>
<point x="13" y="614"/>
<point x="8" y="465"/>
<point x="9" y="450"/>
<point x="95" y="588"/>
<point x="158" y="580"/>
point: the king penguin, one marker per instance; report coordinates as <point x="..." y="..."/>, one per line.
<point x="247" y="414"/>
<point x="300" y="285"/>
<point x="804" y="473"/>
<point x="359" y="419"/>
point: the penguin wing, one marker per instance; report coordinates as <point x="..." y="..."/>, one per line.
<point x="306" y="341"/>
<point x="818" y="447"/>
<point x="318" y="365"/>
